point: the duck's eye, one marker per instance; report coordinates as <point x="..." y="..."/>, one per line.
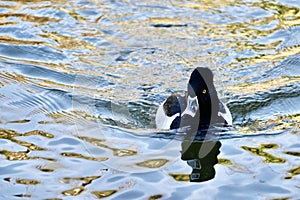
<point x="204" y="91"/>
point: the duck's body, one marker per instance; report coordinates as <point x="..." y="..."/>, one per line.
<point x="199" y="108"/>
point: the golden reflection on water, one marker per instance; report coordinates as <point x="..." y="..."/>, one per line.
<point x="29" y="18"/>
<point x="104" y="194"/>
<point x="45" y="169"/>
<point x="252" y="88"/>
<point x="274" y="57"/>
<point x="181" y="177"/>
<point x="52" y="166"/>
<point x="295" y="171"/>
<point x="67" y="42"/>
<point x="77" y="155"/>
<point x="224" y="161"/>
<point x="39" y="132"/>
<point x="23" y="195"/>
<point x="269" y="158"/>
<point x="232" y="30"/>
<point x="166" y="21"/>
<point x="92" y="45"/>
<point x="292" y="153"/>
<point x="279" y="123"/>
<point x="73" y="13"/>
<point x="153" y="163"/>
<point x="10" y="40"/>
<point x="21" y="155"/>
<point x="10" y="135"/>
<point x="85" y="180"/>
<point x="116" y="151"/>
<point x="19" y="121"/>
<point x="154" y="197"/>
<point x="27" y="182"/>
<point x="73" y="192"/>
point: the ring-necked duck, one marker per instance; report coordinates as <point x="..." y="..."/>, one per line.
<point x="199" y="108"/>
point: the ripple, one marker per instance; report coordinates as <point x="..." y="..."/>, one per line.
<point x="156" y="163"/>
<point x="80" y="82"/>
<point x="29" y="18"/>
<point x="76" y="155"/>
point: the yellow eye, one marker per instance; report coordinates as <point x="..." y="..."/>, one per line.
<point x="204" y="91"/>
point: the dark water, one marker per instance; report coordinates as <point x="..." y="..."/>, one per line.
<point x="80" y="82"/>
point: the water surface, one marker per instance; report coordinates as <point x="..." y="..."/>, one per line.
<point x="80" y="82"/>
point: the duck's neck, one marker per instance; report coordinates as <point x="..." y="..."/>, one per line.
<point x="208" y="112"/>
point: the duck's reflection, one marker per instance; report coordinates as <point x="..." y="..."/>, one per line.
<point x="201" y="156"/>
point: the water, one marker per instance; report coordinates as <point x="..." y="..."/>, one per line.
<point x="80" y="82"/>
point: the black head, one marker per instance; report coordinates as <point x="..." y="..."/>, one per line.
<point x="201" y="85"/>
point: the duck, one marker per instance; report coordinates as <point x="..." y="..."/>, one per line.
<point x="198" y="108"/>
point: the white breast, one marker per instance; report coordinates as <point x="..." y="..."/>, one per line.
<point x="192" y="106"/>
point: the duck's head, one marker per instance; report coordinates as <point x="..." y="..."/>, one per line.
<point x="201" y="85"/>
<point x="201" y="91"/>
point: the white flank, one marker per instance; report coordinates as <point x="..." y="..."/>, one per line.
<point x="162" y="120"/>
<point x="227" y="115"/>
